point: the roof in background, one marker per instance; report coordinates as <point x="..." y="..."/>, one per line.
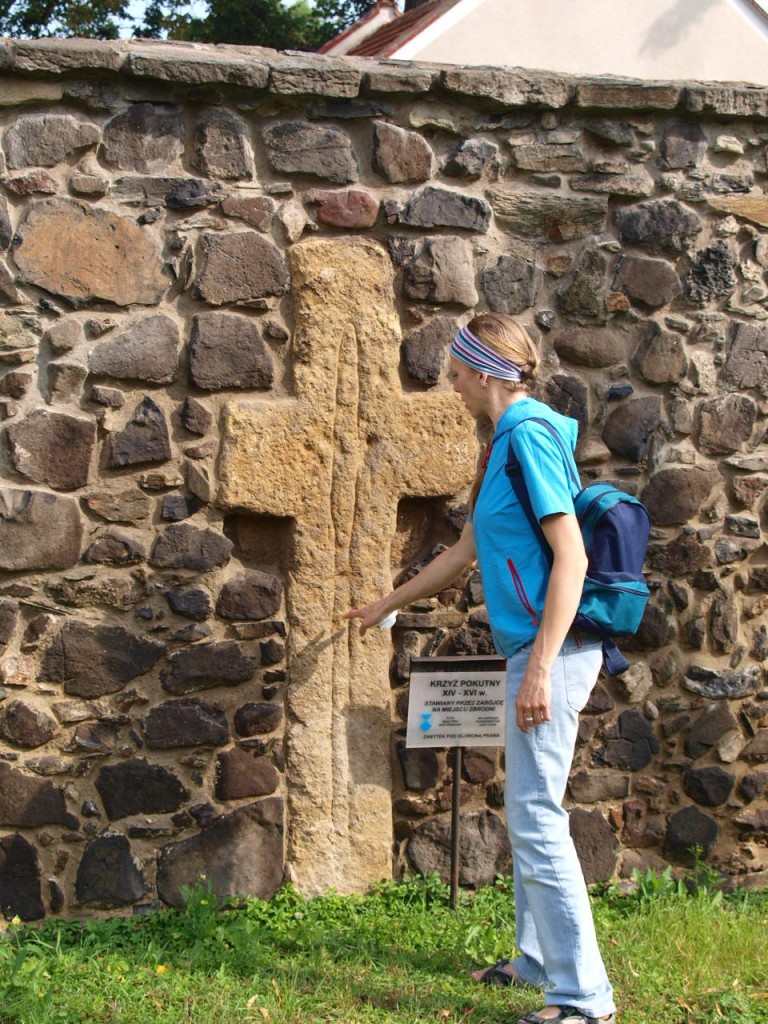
<point x="390" y="37"/>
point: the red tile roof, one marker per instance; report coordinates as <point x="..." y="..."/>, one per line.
<point x="390" y="37"/>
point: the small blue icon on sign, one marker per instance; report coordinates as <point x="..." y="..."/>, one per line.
<point x="426" y="721"/>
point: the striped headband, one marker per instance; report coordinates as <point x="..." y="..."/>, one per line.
<point x="467" y="348"/>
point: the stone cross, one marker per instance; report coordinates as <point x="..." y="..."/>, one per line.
<point x="337" y="457"/>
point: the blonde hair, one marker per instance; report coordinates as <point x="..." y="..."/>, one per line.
<point x="512" y="341"/>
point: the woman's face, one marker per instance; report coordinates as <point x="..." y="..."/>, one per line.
<point x="467" y="383"/>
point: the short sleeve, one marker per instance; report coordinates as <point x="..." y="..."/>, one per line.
<point x="545" y="471"/>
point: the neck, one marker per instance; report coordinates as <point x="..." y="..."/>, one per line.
<point x="499" y="400"/>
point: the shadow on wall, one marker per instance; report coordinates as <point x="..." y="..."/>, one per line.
<point x="670" y="28"/>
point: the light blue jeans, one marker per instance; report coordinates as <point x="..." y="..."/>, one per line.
<point x="555" y="931"/>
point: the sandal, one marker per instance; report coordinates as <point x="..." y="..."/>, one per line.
<point x="567" y="1015"/>
<point x="496" y="975"/>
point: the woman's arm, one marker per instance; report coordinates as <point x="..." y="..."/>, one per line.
<point x="431" y="580"/>
<point x="569" y="567"/>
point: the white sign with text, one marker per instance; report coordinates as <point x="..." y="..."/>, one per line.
<point x="456" y="702"/>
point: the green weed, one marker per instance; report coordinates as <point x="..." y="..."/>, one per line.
<point x="682" y="953"/>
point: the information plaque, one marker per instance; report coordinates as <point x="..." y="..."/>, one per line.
<point x="456" y="702"/>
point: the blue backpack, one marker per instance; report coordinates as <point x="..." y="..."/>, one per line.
<point x="616" y="528"/>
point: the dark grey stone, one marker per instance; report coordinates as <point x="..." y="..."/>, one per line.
<point x="635" y="746"/>
<point x="146" y="137"/>
<point x="420" y="767"/>
<point x="112" y="398"/>
<point x="746" y="363"/>
<point x="240" y="854"/>
<point x="688" y="831"/>
<point x="188" y="722"/>
<point x="581" y="296"/>
<point x="196" y="417"/>
<point x="673" y="496"/>
<point x="630" y="427"/>
<point x="682" y="556"/>
<point x="659" y="226"/>
<point x="206" y="666"/>
<point x="6" y="229"/>
<point x="512" y="285"/>
<point x="756" y="752"/>
<point x="252" y="595"/>
<point x="471" y="159"/>
<point x="175" y="193"/>
<point x="484" y="850"/>
<point x="26" y="725"/>
<point x="712" y="274"/>
<point x="184" y="546"/>
<point x="16" y="383"/>
<point x="115" y="547"/>
<point x="478" y="764"/>
<point x="725" y="424"/>
<point x="271" y="652"/>
<point x="108" y="874"/>
<point x="64" y="381"/>
<point x="9" y="620"/>
<point x="192" y="194"/>
<point x="92" y="661"/>
<point x="138" y="787"/>
<point x="239" y="774"/>
<point x="239" y="266"/>
<point x="300" y="148"/>
<point x="257" y="719"/>
<point x="709" y="786"/>
<point x="424" y="351"/>
<point x="655" y="630"/>
<point x="591" y="346"/>
<point x="595" y="843"/>
<point x="227" y="351"/>
<point x="443" y="271"/>
<point x="146" y="351"/>
<point x="36" y="631"/>
<point x="20" y="893"/>
<point x="651" y="282"/>
<point x="27" y="802"/>
<point x="53" y="448"/>
<point x="192" y="602"/>
<point x="44" y="140"/>
<point x="177" y="507"/>
<point x="432" y="207"/>
<point x="683" y="145"/>
<point x="726" y="685"/>
<point x="220" y="143"/>
<point x="592" y="786"/>
<point x="400" y="155"/>
<point x="660" y="357"/>
<point x="569" y="396"/>
<point x="144" y="439"/>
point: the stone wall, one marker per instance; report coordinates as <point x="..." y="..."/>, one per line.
<point x="228" y="280"/>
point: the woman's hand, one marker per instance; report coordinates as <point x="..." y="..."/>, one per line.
<point x="369" y="615"/>
<point x="534" y="698"/>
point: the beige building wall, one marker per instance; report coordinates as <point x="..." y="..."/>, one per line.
<point x="721" y="40"/>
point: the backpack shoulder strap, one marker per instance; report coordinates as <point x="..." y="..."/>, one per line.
<point x="515" y="476"/>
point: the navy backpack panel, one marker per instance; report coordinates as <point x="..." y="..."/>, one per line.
<point x="616" y="528"/>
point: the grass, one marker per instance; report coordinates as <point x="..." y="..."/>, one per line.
<point x="677" y="954"/>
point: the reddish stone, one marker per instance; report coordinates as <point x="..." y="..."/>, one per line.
<point x="346" y="208"/>
<point x="35" y="181"/>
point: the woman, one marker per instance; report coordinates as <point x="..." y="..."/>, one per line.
<point x="531" y="600"/>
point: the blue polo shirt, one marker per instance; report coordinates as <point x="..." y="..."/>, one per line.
<point x="513" y="565"/>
